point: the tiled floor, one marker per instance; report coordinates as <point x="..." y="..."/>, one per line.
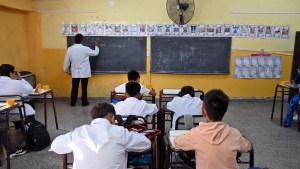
<point x="275" y="147"/>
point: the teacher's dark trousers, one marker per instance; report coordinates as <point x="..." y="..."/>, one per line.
<point x="74" y="91"/>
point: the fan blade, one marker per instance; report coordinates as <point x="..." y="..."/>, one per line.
<point x="181" y="19"/>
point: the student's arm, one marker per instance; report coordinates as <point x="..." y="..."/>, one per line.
<point x="150" y="109"/>
<point x="24" y="87"/>
<point x="245" y="145"/>
<point x="67" y="62"/>
<point x="185" y="142"/>
<point x="62" y="144"/>
<point x="136" y="142"/>
<point x="171" y="104"/>
<point x="145" y="90"/>
<point x="152" y="92"/>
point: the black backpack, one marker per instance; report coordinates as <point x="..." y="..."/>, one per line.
<point x="37" y="136"/>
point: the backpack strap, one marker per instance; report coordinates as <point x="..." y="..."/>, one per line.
<point x="119" y="120"/>
<point x="125" y="123"/>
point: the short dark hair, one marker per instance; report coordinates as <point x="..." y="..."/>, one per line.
<point x="5" y="69"/>
<point x="101" y="110"/>
<point x="187" y="90"/>
<point x="78" y="38"/>
<point x="216" y="103"/>
<point x="133" y="88"/>
<point x="133" y="75"/>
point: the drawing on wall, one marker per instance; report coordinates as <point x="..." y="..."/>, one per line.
<point x="159" y="30"/>
<point x="90" y="29"/>
<point x="134" y="30"/>
<point x="117" y="29"/>
<point x="168" y="29"/>
<point x="66" y="29"/>
<point x="219" y="31"/>
<point x="269" y="31"/>
<point x="82" y="29"/>
<point x="201" y="29"/>
<point x="176" y="30"/>
<point x="125" y="29"/>
<point x="150" y="29"/>
<point x="285" y="32"/>
<point x="257" y="67"/>
<point x="252" y="30"/>
<point x="109" y="29"/>
<point x="235" y="30"/>
<point x="277" y="31"/>
<point x="74" y="29"/>
<point x="244" y="31"/>
<point x="261" y="31"/>
<point x="193" y="30"/>
<point x="227" y="30"/>
<point x="184" y="30"/>
<point x="210" y="30"/>
<point x="142" y="29"/>
<point x="100" y="28"/>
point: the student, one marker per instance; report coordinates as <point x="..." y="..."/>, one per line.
<point x="186" y="103"/>
<point x="78" y="64"/>
<point x="216" y="144"/>
<point x="295" y="100"/>
<point x="100" y="144"/>
<point x="134" y="76"/>
<point x="12" y="83"/>
<point x="14" y="150"/>
<point x="132" y="105"/>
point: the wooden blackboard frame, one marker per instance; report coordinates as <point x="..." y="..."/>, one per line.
<point x="118" y="54"/>
<point x="169" y="55"/>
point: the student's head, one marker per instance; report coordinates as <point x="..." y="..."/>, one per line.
<point x="104" y="110"/>
<point x="215" y="105"/>
<point x="133" y="89"/>
<point x="133" y="75"/>
<point x="78" y="38"/>
<point x="187" y="90"/>
<point x="7" y="70"/>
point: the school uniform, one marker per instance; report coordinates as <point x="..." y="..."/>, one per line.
<point x="122" y="89"/>
<point x="77" y="61"/>
<point x="100" y="145"/>
<point x="184" y="105"/>
<point x="10" y="86"/>
<point x="134" y="106"/>
<point x="215" y="144"/>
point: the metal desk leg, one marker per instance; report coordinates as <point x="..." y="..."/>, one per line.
<point x="22" y="128"/>
<point x="252" y="158"/>
<point x="54" y="110"/>
<point x="274" y="101"/>
<point x="281" y="114"/>
<point x="45" y="109"/>
<point x="7" y="141"/>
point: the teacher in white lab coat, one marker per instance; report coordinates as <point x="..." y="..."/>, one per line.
<point x="77" y="63"/>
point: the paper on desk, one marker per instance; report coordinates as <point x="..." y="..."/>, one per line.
<point x="175" y="133"/>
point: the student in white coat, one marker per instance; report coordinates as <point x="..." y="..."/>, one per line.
<point x="100" y="144"/>
<point x="132" y="105"/>
<point x="78" y="64"/>
<point x="12" y="83"/>
<point x="186" y="103"/>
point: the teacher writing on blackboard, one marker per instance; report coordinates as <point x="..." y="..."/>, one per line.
<point x="77" y="63"/>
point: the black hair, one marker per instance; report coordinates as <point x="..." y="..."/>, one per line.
<point x="216" y="103"/>
<point x="133" y="75"/>
<point x="78" y="38"/>
<point x="133" y="88"/>
<point x="101" y="110"/>
<point x="187" y="90"/>
<point x="5" y="69"/>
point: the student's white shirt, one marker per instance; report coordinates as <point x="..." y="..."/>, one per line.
<point x="100" y="145"/>
<point x="77" y="57"/>
<point x="134" y="106"/>
<point x="184" y="105"/>
<point x="122" y="89"/>
<point x="10" y="86"/>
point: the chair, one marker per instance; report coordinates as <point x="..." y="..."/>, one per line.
<point x="298" y="113"/>
<point x="192" y="119"/>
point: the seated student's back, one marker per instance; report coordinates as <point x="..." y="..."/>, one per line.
<point x="132" y="105"/>
<point x="100" y="144"/>
<point x="186" y="103"/>
<point x="215" y="143"/>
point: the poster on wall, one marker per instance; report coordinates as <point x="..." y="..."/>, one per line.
<point x="201" y="29"/>
<point x="109" y="29"/>
<point x="150" y="29"/>
<point x="90" y="29"/>
<point x="244" y="31"/>
<point x="257" y="67"/>
<point x="159" y="29"/>
<point x="227" y="30"/>
<point x="235" y="30"/>
<point x="168" y="29"/>
<point x="252" y="30"/>
<point x="285" y="32"/>
<point x="210" y="30"/>
<point x="134" y="29"/>
<point x="277" y="31"/>
<point x="261" y="31"/>
<point x="100" y="28"/>
<point x="142" y="29"/>
<point x="66" y="29"/>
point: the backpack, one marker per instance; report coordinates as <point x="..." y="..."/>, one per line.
<point x="37" y="136"/>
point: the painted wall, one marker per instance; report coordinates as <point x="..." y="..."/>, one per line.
<point x="25" y="5"/>
<point x="51" y="46"/>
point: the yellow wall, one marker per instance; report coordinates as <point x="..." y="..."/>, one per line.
<point x="26" y="5"/>
<point x="46" y="53"/>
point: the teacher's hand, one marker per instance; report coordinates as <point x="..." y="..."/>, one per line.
<point x="97" y="43"/>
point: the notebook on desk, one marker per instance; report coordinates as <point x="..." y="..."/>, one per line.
<point x="176" y="133"/>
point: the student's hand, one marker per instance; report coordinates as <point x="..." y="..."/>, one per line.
<point x="18" y="76"/>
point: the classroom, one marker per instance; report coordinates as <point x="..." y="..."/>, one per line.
<point x="33" y="40"/>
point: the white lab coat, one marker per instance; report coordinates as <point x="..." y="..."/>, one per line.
<point x="184" y="105"/>
<point x="77" y="58"/>
<point x="134" y="106"/>
<point x="122" y="89"/>
<point x="100" y="145"/>
<point x="10" y="86"/>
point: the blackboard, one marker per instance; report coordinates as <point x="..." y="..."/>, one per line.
<point x="190" y="55"/>
<point x="118" y="54"/>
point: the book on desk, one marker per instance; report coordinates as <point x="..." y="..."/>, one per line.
<point x="175" y="133"/>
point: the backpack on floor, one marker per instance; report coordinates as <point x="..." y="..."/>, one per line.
<point x="37" y="136"/>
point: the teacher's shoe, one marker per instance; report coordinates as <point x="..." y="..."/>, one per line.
<point x="85" y="104"/>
